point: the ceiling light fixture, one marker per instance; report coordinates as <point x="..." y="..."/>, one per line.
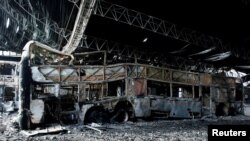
<point x="8" y="23"/>
<point x="17" y="29"/>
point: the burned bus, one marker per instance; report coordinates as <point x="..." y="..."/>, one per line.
<point x="8" y="85"/>
<point x="55" y="87"/>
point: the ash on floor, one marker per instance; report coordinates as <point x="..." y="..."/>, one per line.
<point x="157" y="130"/>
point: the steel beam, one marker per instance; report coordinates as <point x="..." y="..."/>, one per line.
<point x="138" y="19"/>
<point x="81" y="21"/>
<point x="143" y="56"/>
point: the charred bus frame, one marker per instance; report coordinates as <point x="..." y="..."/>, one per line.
<point x="53" y="88"/>
<point x="9" y="84"/>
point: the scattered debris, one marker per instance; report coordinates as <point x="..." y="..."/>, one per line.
<point x="94" y="126"/>
<point x="2" y="128"/>
<point x="54" y="129"/>
<point x="9" y="106"/>
<point x="188" y="129"/>
<point x="118" y="126"/>
<point x="94" y="129"/>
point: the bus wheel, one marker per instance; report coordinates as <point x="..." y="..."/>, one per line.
<point x="121" y="115"/>
<point x="96" y="116"/>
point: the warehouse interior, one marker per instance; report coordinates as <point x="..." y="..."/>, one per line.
<point x="77" y="62"/>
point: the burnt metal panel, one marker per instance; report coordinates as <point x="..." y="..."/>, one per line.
<point x="142" y="107"/>
<point x="205" y="79"/>
<point x="176" y="107"/>
<point x="247" y="109"/>
<point x="37" y="108"/>
<point x="185" y="77"/>
<point x="223" y="81"/>
<point x="8" y="80"/>
<point x="137" y="87"/>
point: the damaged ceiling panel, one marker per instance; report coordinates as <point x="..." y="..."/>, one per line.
<point x="203" y="52"/>
<point x="218" y="57"/>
